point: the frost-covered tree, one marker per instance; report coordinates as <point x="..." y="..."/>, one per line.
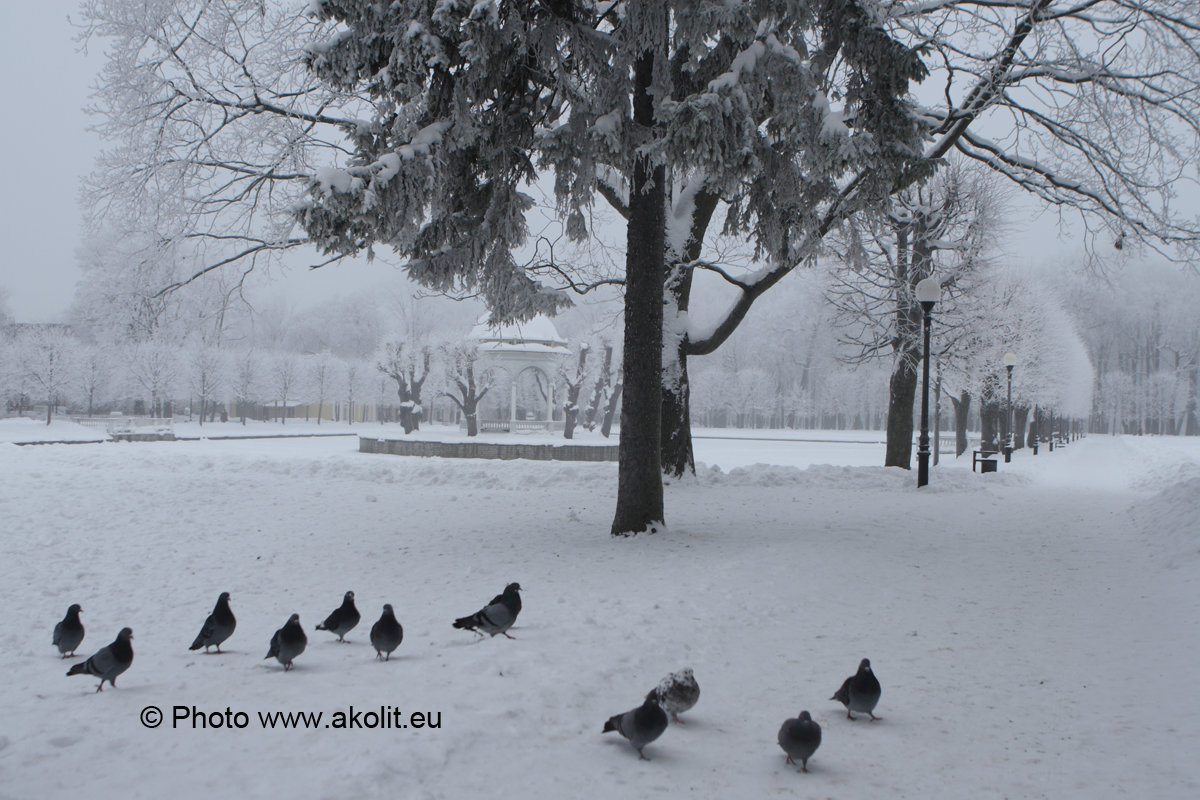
<point x="245" y="380"/>
<point x="460" y="375"/>
<point x="283" y="375"/>
<point x="207" y="372"/>
<point x="944" y="229"/>
<point x="354" y="385"/>
<point x="95" y="374"/>
<point x="154" y="367"/>
<point x="407" y="367"/>
<point x="322" y="375"/>
<point x="573" y="382"/>
<point x="44" y="357"/>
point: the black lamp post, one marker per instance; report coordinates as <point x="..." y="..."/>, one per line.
<point x="1037" y="429"/>
<point x="1010" y="361"/>
<point x="928" y="291"/>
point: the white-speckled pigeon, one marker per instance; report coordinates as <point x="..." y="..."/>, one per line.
<point x="109" y="661"/>
<point x="677" y="692"/>
<point x="68" y="633"/>
<point x="641" y="726"/>
<point x="860" y="692"/>
<point x="288" y="642"/>
<point x="386" y="634"/>
<point x="343" y="618"/>
<point x="218" y="627"/>
<point x="497" y="616"/>
<point x="800" y="738"/>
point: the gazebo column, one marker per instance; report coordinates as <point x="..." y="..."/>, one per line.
<point x="512" y="406"/>
<point x="549" y="404"/>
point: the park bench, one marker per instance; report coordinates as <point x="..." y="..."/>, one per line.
<point x="985" y="459"/>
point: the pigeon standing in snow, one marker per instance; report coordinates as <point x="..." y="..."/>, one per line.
<point x="218" y="627"/>
<point x="343" y="618"/>
<point x="677" y="692"/>
<point x="800" y="738"/>
<point x="641" y="726"/>
<point x="860" y="692"/>
<point x="109" y="661"/>
<point x="288" y="642"/>
<point x="68" y="633"/>
<point x="386" y="634"/>
<point x="497" y="616"/>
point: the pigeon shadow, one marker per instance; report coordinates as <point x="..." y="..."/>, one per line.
<point x="654" y="755"/>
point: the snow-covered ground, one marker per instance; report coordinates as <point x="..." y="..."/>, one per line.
<point x="1035" y="631"/>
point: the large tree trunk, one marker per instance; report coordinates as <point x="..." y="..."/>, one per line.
<point x="1020" y="425"/>
<point x="677" y="454"/>
<point x="639" y="475"/>
<point x="902" y="392"/>
<point x="962" y="410"/>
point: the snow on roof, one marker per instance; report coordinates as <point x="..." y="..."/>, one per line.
<point x="536" y="335"/>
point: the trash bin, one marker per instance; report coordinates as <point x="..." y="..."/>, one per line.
<point x="987" y="465"/>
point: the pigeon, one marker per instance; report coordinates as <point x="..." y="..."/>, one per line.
<point x="343" y="618"/>
<point x="800" y="738"/>
<point x="860" y="692"/>
<point x="109" y="661"/>
<point x="677" y="692"/>
<point x="288" y="642"/>
<point x="386" y="634"/>
<point x="497" y="616"/>
<point x="68" y="633"/>
<point x="641" y="726"/>
<point x="218" y="627"/>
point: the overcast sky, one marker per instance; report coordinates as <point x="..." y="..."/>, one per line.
<point x="44" y="84"/>
<point x="45" y="81"/>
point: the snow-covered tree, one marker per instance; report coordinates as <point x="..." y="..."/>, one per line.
<point x="207" y="373"/>
<point x="408" y="367"/>
<point x="944" y="229"/>
<point x="283" y="375"/>
<point x="460" y="375"/>
<point x="44" y="358"/>
<point x="245" y="380"/>
<point x="354" y="385"/>
<point x="154" y="368"/>
<point x="322" y="376"/>
<point x="95" y="374"/>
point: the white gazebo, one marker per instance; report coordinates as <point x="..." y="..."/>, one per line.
<point x="528" y="355"/>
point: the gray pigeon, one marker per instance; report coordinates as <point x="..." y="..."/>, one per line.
<point x="109" y="661"/>
<point x="288" y="642"/>
<point x="343" y="618"/>
<point x="68" y="633"/>
<point x="497" y="616"/>
<point x="641" y="726"/>
<point x="218" y="627"/>
<point x="386" y="634"/>
<point x="800" y="738"/>
<point x="860" y="692"/>
<point x="677" y="692"/>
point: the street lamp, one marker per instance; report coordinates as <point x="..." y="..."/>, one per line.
<point x="928" y="291"/>
<point x="1010" y="361"/>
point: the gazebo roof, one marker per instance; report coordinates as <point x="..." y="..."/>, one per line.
<point x="538" y="335"/>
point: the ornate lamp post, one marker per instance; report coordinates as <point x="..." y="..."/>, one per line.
<point x="928" y="291"/>
<point x="1010" y="361"/>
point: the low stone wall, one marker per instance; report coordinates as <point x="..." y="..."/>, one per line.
<point x="536" y="452"/>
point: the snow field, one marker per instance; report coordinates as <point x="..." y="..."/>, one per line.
<point x="1018" y="622"/>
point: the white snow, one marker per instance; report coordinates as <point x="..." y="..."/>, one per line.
<point x="1034" y="630"/>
